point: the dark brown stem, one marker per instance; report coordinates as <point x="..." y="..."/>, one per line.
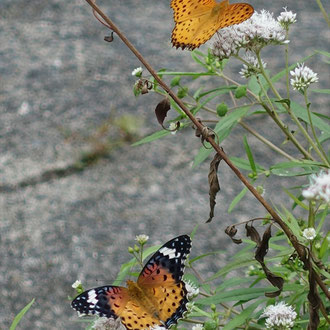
<point x="298" y="247"/>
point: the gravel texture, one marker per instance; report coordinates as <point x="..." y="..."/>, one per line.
<point x="59" y="82"/>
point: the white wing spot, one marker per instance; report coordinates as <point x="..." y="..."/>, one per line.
<point x="92" y="298"/>
<point x="171" y="253"/>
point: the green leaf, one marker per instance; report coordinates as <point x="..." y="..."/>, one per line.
<point x="250" y="155"/>
<point x="152" y="137"/>
<point x="323" y="53"/>
<point x="222" y="129"/>
<point x="321" y="91"/>
<point x="297" y="200"/>
<point x="243" y="316"/>
<point x="19" y="316"/>
<point x="324" y="246"/>
<point x="301" y="113"/>
<point x="236" y="200"/>
<point x="205" y="255"/>
<point x="245" y="165"/>
<point x="293" y="168"/>
<point x="232" y="282"/>
<point x="242" y="294"/>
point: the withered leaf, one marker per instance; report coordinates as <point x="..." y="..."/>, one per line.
<point x="252" y="233"/>
<point x="109" y="38"/>
<point x="261" y="251"/>
<point x="231" y="232"/>
<point x="213" y="183"/>
<point x="262" y="247"/>
<point x="161" y="110"/>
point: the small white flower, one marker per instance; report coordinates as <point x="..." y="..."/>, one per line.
<point x="198" y="327"/>
<point x="192" y="290"/>
<point x="173" y="127"/>
<point x="280" y="316"/>
<point x="76" y="284"/>
<point x="302" y="77"/>
<point x="157" y="327"/>
<point x="24" y="109"/>
<point x="319" y="187"/>
<point x="252" y="68"/>
<point x="309" y="233"/>
<point x="104" y="323"/>
<point x="286" y="18"/>
<point x="259" y="30"/>
<point x="137" y="72"/>
<point x="142" y="239"/>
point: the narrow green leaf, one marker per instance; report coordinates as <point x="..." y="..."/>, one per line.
<point x="232" y="282"/>
<point x="245" y="165"/>
<point x="301" y="113"/>
<point x="293" y="168"/>
<point x="324" y="246"/>
<point x="237" y="198"/>
<point x="19" y="316"/>
<point x="297" y="201"/>
<point x="321" y="91"/>
<point x="152" y="137"/>
<point x="205" y="255"/>
<point x="242" y="294"/>
<point x="222" y="90"/>
<point x="323" y="216"/>
<point x="323" y="53"/>
<point x="243" y="316"/>
<point x="250" y="155"/>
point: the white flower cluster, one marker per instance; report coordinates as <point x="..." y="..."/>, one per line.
<point x="280" y="315"/>
<point x="302" y="77"/>
<point x="259" y="30"/>
<point x="142" y="239"/>
<point x="309" y="233"/>
<point x="198" y="327"/>
<point x="319" y="187"/>
<point x="137" y="72"/>
<point x="252" y="67"/>
<point x="104" y="323"/>
<point x="286" y="18"/>
<point x="76" y="284"/>
<point x="192" y="290"/>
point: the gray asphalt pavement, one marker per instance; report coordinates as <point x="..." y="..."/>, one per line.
<point x="59" y="82"/>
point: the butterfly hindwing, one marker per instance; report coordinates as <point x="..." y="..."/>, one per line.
<point x="104" y="301"/>
<point x="167" y="264"/>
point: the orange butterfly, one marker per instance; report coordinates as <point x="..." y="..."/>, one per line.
<point x="159" y="296"/>
<point x="196" y="21"/>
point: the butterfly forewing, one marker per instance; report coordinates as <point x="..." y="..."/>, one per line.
<point x="167" y="264"/>
<point x="105" y="301"/>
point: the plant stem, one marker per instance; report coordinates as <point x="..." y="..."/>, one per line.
<point x="292" y="115"/>
<point x="293" y="239"/>
<point x="266" y="142"/>
<point x="325" y="15"/>
<point x="312" y="126"/>
<point x="286" y="52"/>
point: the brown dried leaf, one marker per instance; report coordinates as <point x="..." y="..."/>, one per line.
<point x="252" y="233"/>
<point x="261" y="251"/>
<point x="161" y="110"/>
<point x="231" y="232"/>
<point x="213" y="183"/>
<point x="262" y="247"/>
<point x="109" y="38"/>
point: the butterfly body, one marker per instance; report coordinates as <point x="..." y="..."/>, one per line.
<point x="159" y="296"/>
<point x="196" y="21"/>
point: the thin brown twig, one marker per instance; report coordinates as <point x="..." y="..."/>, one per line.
<point x="294" y="241"/>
